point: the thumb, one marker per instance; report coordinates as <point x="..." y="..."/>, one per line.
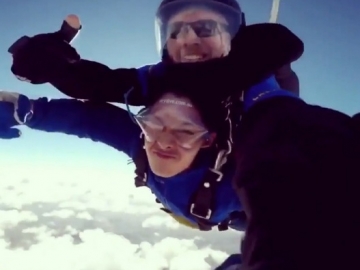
<point x="11" y="133"/>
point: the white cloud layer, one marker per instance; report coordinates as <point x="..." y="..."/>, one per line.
<point x="81" y="220"/>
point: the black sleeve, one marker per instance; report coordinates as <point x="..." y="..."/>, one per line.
<point x="298" y="179"/>
<point x="94" y="81"/>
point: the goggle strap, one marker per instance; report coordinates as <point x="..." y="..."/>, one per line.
<point x="126" y="98"/>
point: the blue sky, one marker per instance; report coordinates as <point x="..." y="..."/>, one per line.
<point x="120" y="33"/>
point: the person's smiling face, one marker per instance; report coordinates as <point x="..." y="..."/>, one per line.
<point x="197" y="34"/>
<point x="174" y="134"/>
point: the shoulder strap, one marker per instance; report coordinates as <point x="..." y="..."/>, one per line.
<point x="203" y="201"/>
<point x="141" y="165"/>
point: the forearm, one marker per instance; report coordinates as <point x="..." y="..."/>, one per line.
<point x="98" y="121"/>
<point x="94" y="81"/>
<point x="60" y="115"/>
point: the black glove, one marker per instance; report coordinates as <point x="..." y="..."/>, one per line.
<point x="261" y="50"/>
<point x="39" y="58"/>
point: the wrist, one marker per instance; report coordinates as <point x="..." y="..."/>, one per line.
<point x="24" y="110"/>
<point x="31" y="112"/>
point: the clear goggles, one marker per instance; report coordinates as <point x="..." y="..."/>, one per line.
<point x="171" y="124"/>
<point x="169" y="24"/>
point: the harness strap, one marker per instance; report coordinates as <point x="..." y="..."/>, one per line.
<point x="140" y="168"/>
<point x="202" y="201"/>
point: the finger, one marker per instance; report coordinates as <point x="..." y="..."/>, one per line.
<point x="73" y="21"/>
<point x="70" y="28"/>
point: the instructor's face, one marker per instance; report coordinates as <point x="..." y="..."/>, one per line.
<point x="188" y="46"/>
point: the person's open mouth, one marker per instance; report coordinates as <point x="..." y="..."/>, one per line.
<point x="193" y="58"/>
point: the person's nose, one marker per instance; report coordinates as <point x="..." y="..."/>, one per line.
<point x="188" y="36"/>
<point x="166" y="141"/>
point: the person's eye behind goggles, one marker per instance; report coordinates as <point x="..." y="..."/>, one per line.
<point x="186" y="137"/>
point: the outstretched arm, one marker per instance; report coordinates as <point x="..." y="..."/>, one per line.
<point x="46" y="58"/>
<point x="94" y="81"/>
<point x="100" y="122"/>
